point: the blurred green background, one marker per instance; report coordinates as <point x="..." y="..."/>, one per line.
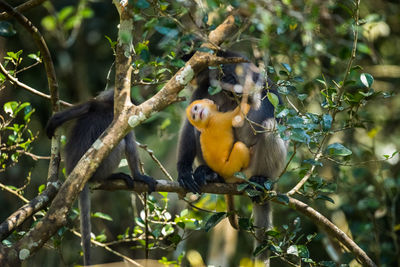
<point x="314" y="38"/>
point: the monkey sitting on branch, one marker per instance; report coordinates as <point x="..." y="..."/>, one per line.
<point x="92" y="118"/>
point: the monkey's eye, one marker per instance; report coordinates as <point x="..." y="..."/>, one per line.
<point x="193" y="117"/>
<point x="195" y="108"/>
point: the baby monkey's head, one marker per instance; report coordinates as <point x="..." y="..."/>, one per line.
<point x="199" y="112"/>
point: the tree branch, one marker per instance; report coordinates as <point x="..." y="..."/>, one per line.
<point x="27" y="87"/>
<point x="231" y="189"/>
<point x="21" y="8"/>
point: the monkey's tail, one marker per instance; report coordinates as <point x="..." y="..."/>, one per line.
<point x="230" y="208"/>
<point x="84" y="206"/>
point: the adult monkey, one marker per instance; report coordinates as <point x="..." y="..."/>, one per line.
<point x="92" y="118"/>
<point x="268" y="149"/>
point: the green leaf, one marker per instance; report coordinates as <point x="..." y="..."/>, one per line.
<point x="273" y="98"/>
<point x="367" y="79"/>
<point x="241" y="187"/>
<point x="337" y="149"/>
<point x="260" y="249"/>
<point x="240" y="175"/>
<point x="206" y="50"/>
<point x="101" y="238"/>
<point x="35" y="57"/>
<point x="287" y="67"/>
<point x="327" y="263"/>
<point x="167" y="230"/>
<point x="272" y="233"/>
<point x="302" y="97"/>
<point x="102" y="216"/>
<point x="175" y="239"/>
<point x="298" y="79"/>
<point x="41" y="188"/>
<point x="269" y="185"/>
<point x="214" y="220"/>
<point x="303" y="251"/>
<point x="292" y="250"/>
<point x="283" y="113"/>
<point x="49" y="23"/>
<point x="244" y="224"/>
<point x="300" y="135"/>
<point x="326" y="122"/>
<point x="65" y="13"/>
<point x="323" y="197"/>
<point x="283" y="90"/>
<point x="10" y="107"/>
<point x="7" y="29"/>
<point x="253" y="193"/>
<point x="283" y="198"/>
<point x="142" y="4"/>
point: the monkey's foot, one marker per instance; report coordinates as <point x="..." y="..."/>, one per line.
<point x="151" y="183"/>
<point x="204" y="174"/>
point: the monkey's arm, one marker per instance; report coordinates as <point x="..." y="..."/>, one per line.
<point x="186" y="154"/>
<point x="239" y="113"/>
<point x="132" y="157"/>
<point x="63" y="116"/>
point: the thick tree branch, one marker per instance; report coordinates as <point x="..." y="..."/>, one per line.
<point x="26" y="211"/>
<point x="220" y="188"/>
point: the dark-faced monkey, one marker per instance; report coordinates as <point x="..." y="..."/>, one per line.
<point x="92" y="118"/>
<point x="268" y="150"/>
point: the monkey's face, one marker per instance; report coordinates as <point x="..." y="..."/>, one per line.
<point x="199" y="111"/>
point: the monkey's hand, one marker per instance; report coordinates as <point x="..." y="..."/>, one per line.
<point x="186" y="180"/>
<point x="204" y="174"/>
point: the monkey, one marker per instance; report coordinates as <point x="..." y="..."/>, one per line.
<point x="268" y="149"/>
<point x="220" y="152"/>
<point x="92" y="118"/>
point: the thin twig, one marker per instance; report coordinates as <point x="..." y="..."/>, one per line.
<point x="151" y="153"/>
<point x="290" y="160"/>
<point x="28" y="67"/>
<point x="109" y="249"/>
<point x="4" y="187"/>
<point x="27" y="87"/>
